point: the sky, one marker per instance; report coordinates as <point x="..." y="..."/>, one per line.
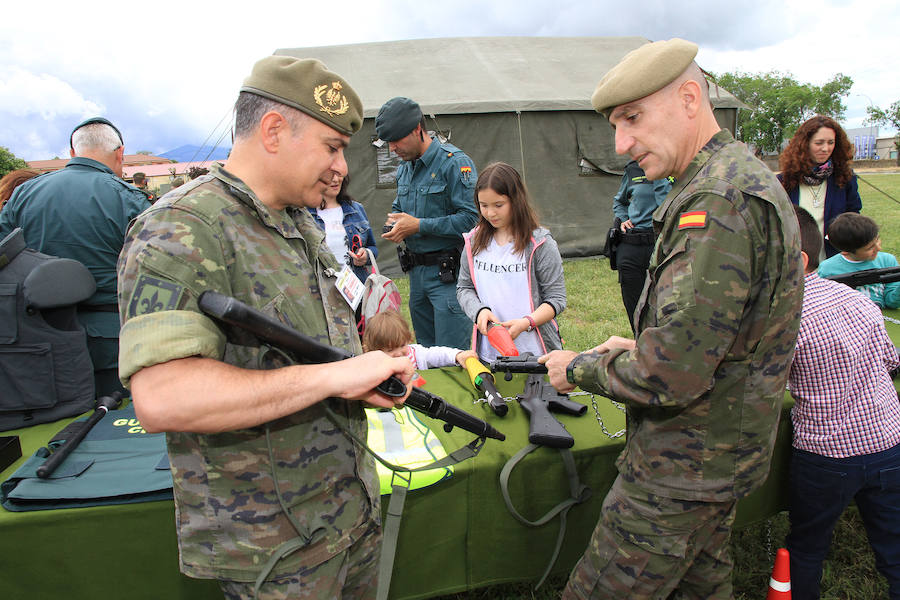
<point x="167" y="73"/>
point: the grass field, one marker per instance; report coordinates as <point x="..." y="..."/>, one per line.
<point x="595" y="312"/>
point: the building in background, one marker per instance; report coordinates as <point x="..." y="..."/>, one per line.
<point x="131" y="161"/>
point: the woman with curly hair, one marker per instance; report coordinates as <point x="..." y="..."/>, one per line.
<point x="12" y="180"/>
<point x="816" y="173"/>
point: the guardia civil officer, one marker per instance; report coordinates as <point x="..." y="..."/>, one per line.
<point x="633" y="206"/>
<point x="81" y="212"/>
<point x="266" y="486"/>
<point x="704" y="380"/>
<point x="435" y="205"/>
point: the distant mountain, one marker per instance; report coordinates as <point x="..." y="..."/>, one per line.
<point x="190" y="153"/>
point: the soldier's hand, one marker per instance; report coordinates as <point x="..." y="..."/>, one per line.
<point x="626" y="225"/>
<point x="368" y="370"/>
<point x="404" y="226"/>
<point x="613" y="343"/>
<point x="556" y="363"/>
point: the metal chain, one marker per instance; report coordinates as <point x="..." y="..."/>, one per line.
<point x="618" y="405"/>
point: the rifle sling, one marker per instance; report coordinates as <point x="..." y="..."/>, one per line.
<point x="391" y="528"/>
<point x="577" y="490"/>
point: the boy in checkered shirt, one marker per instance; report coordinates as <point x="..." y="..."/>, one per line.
<point x="846" y="418"/>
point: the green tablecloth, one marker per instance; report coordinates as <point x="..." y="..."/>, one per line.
<point x="454" y="536"/>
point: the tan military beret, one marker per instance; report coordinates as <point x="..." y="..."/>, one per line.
<point x="307" y="85"/>
<point x="643" y="71"/>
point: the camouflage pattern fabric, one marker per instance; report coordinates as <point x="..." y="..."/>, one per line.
<point x="717" y="324"/>
<point x="645" y="545"/>
<point x="213" y="233"/>
<point x="351" y="574"/>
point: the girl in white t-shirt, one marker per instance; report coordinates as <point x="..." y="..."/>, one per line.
<point x="512" y="272"/>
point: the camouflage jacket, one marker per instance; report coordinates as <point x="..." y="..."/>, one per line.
<point x="213" y="233"/>
<point x="717" y="324"/>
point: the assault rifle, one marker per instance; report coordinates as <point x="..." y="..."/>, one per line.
<point x="304" y="349"/>
<point x="538" y="399"/>
<point x="868" y="276"/>
<point x="524" y="363"/>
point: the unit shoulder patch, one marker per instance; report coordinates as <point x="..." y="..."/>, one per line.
<point x="154" y="295"/>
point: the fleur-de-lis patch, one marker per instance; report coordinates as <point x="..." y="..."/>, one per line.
<point x="330" y="99"/>
<point x="154" y="295"/>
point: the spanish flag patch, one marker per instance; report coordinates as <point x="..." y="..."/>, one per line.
<point x="694" y="219"/>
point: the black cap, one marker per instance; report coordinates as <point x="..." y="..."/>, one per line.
<point x="91" y="121"/>
<point x="397" y="118"/>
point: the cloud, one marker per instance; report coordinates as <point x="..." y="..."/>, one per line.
<point x="170" y="82"/>
<point x="23" y="94"/>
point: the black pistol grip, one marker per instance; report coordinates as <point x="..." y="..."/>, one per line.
<point x="543" y="428"/>
<point x="567" y="406"/>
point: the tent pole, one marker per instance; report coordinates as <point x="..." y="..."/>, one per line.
<point x="521" y="144"/>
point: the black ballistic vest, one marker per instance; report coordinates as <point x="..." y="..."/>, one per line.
<point x="45" y="369"/>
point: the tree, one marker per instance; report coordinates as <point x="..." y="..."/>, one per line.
<point x="890" y="117"/>
<point x="9" y="161"/>
<point x="779" y="104"/>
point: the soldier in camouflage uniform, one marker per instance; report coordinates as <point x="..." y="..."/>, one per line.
<point x="266" y="486"/>
<point x="704" y="380"/>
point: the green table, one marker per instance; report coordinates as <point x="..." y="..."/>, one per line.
<point x="454" y="536"/>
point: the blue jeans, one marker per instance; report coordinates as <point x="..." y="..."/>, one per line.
<point x="820" y="490"/>
<point x="437" y="318"/>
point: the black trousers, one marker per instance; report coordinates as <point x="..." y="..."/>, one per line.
<point x="632" y="261"/>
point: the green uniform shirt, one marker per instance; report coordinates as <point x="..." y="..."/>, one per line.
<point x="214" y="233"/>
<point x="80" y="212"/>
<point x="438" y="189"/>
<point x="717" y="325"/>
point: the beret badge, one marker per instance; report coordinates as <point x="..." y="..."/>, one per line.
<point x="330" y="99"/>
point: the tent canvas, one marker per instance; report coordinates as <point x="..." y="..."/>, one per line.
<point x="521" y="100"/>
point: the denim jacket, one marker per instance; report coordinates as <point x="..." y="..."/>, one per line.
<point x="356" y="222"/>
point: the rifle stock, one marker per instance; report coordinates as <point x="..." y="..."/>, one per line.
<point x="302" y="348"/>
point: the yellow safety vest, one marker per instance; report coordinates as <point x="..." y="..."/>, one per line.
<point x="400" y="438"/>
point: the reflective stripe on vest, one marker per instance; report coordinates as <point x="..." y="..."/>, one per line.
<point x="401" y="438"/>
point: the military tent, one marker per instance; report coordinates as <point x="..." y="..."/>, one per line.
<point x="522" y="100"/>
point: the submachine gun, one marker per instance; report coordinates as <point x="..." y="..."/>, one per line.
<point x="304" y="349"/>
<point x="868" y="276"/>
<point x="539" y="399"/>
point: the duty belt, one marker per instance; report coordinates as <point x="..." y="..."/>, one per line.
<point x="427" y="259"/>
<point x="634" y="238"/>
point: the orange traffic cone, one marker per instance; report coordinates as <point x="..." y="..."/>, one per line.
<point x="780" y="582"/>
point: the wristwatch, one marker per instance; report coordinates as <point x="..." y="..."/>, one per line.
<point x="570" y="371"/>
<point x="531" y="324"/>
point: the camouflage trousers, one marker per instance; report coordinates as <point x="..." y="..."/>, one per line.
<point x="651" y="547"/>
<point x="351" y="574"/>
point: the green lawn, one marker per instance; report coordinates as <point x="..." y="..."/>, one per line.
<point x="595" y="312"/>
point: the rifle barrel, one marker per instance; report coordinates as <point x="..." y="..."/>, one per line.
<point x="305" y="349"/>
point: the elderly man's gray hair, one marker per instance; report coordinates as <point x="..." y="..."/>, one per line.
<point x="96" y="136"/>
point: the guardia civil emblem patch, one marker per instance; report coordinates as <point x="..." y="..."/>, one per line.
<point x="154" y="295"/>
<point x="465" y="173"/>
<point x="331" y="100"/>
